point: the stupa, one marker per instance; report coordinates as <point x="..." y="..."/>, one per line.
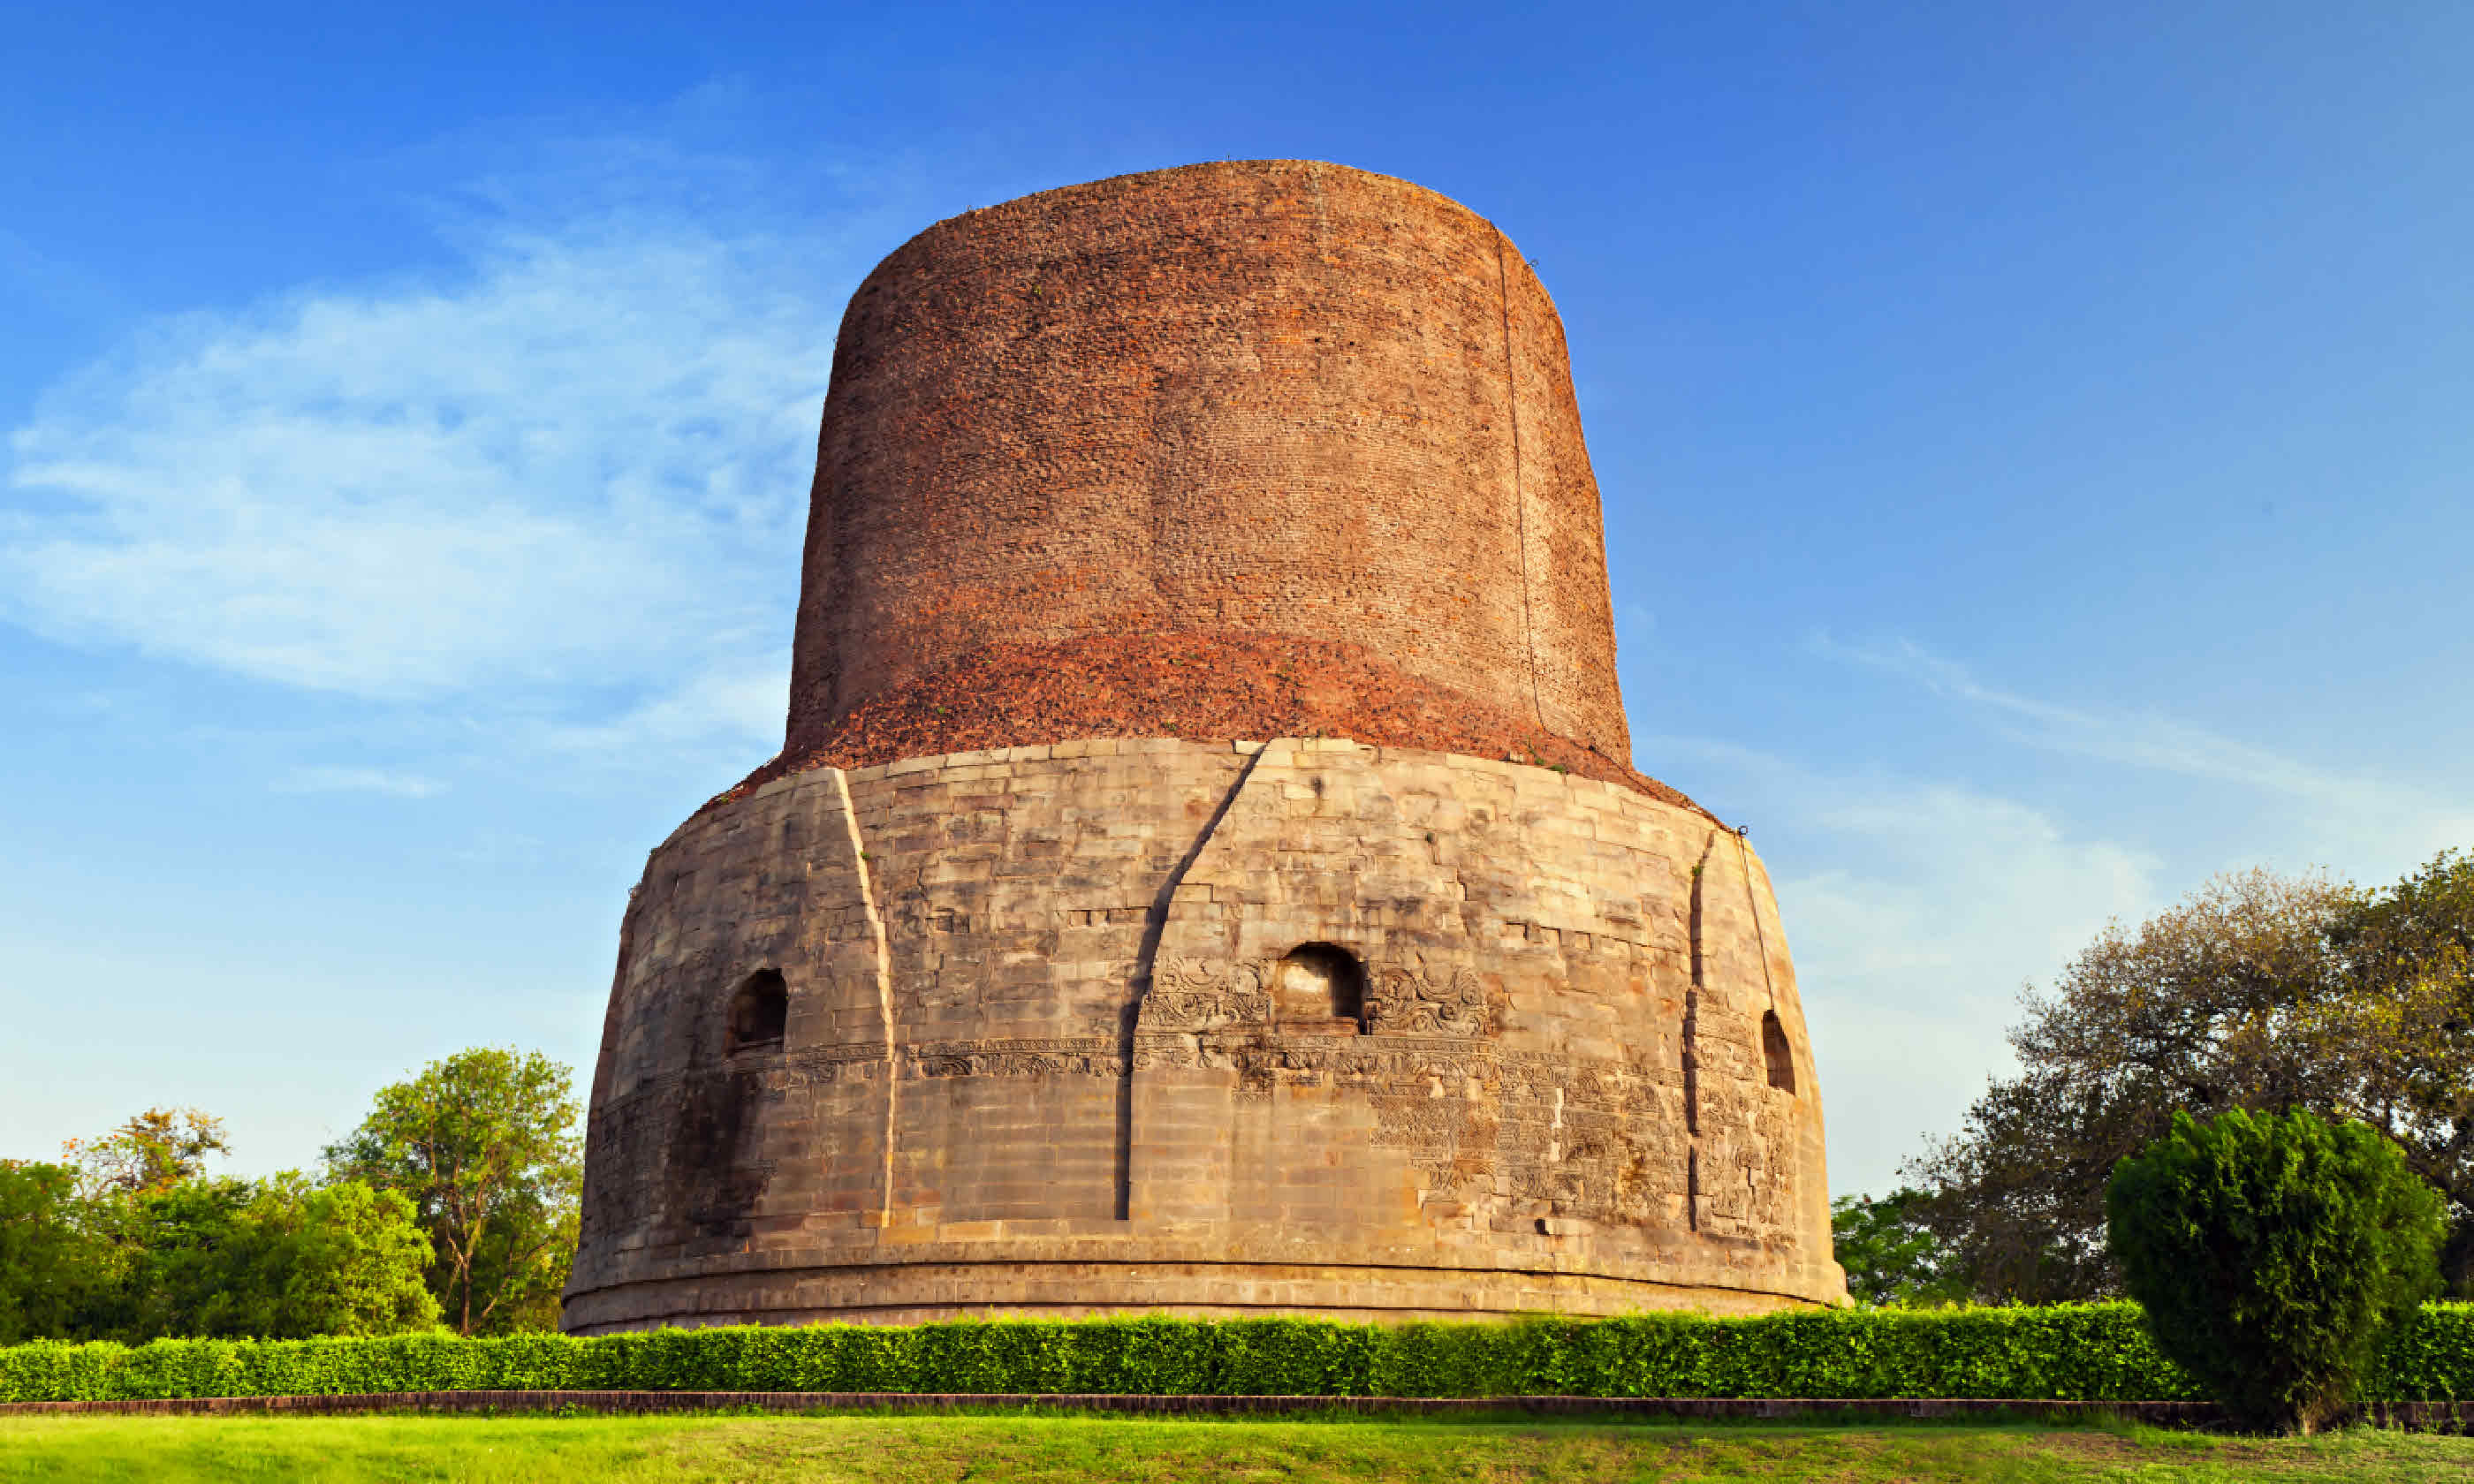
<point x="1204" y="872"/>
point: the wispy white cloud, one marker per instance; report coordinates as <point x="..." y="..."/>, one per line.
<point x="574" y="471"/>
<point x="2138" y="739"/>
<point x="358" y="780"/>
<point x="557" y="472"/>
<point x="2352" y="814"/>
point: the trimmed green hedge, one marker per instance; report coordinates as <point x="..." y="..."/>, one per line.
<point x="2065" y="1351"/>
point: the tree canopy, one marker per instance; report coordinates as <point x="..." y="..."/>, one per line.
<point x="1892" y="1256"/>
<point x="2259" y="991"/>
<point x="176" y="1252"/>
<point x="485" y="1144"/>
<point x="149" y="1154"/>
<point x="277" y="1259"/>
<point x="51" y="1267"/>
<point x="457" y="1194"/>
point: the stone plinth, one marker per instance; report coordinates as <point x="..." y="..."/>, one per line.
<point x="1125" y="1026"/>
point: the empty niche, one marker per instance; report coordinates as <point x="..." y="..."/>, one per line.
<point x="760" y="1012"/>
<point x="1319" y="982"/>
<point x="1776" y="1053"/>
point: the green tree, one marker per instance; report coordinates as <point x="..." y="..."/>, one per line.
<point x="361" y="1265"/>
<point x="1892" y="1256"/>
<point x="2270" y="1252"/>
<point x="2401" y="1046"/>
<point x="278" y="1258"/>
<point x="136" y="1243"/>
<point x="2258" y="991"/>
<point x="485" y="1144"/>
<point x="187" y="1261"/>
<point x="53" y="1266"/>
<point x="151" y="1151"/>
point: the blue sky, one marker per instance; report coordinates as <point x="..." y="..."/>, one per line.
<point x="2035" y="443"/>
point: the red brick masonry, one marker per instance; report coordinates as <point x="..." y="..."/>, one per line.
<point x="1190" y="685"/>
<point x="2420" y="1415"/>
<point x="2444" y="1417"/>
<point x="1268" y="398"/>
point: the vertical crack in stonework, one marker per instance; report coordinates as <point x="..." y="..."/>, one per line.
<point x="1147" y="956"/>
<point x="1519" y="498"/>
<point x="1692" y="1188"/>
<point x="884" y="983"/>
<point x="1692" y="1042"/>
<point x="1752" y="904"/>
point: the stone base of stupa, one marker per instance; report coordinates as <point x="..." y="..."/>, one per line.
<point x="1131" y="1026"/>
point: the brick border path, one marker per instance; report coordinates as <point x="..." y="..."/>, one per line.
<point x="2453" y="1417"/>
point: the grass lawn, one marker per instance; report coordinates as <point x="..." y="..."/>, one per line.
<point x="987" y="1449"/>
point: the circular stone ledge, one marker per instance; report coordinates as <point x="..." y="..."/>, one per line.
<point x="911" y="1294"/>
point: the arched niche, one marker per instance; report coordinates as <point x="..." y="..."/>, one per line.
<point x="1319" y="984"/>
<point x="760" y="1013"/>
<point x="1777" y="1053"/>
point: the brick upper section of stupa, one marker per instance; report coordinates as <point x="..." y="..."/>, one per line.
<point x="1250" y="449"/>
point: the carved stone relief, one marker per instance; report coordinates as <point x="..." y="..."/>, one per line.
<point x="1428" y="1001"/>
<point x="1195" y="993"/>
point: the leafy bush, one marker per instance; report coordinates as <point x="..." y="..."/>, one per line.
<point x="2270" y="1252"/>
<point x="2069" y="1352"/>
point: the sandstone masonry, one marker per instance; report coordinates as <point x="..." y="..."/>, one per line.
<point x="1044" y="1050"/>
